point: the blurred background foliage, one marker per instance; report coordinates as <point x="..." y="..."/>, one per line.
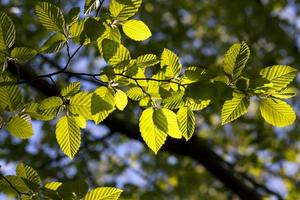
<point x="199" y="32"/>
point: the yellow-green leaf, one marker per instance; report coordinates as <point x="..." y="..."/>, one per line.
<point x="197" y="104"/>
<point x="121" y="99"/>
<point x="103" y="193"/>
<point x="279" y="75"/>
<point x="136" y="30"/>
<point x="146" y="60"/>
<point x="236" y="58"/>
<point x="124" y="9"/>
<point x="50" y="16"/>
<point x="172" y="63"/>
<point x="114" y="53"/>
<point x="7" y="32"/>
<point x="27" y="172"/>
<point x="186" y="122"/>
<point x="68" y="135"/>
<point x="54" y="44"/>
<point x="70" y="90"/>
<point x="23" y="54"/>
<point x="80" y="104"/>
<point x="277" y="112"/>
<point x="135" y="93"/>
<point x="151" y="129"/>
<point x="90" y="6"/>
<point x="11" y="95"/>
<point x="20" y="126"/>
<point x="103" y="103"/>
<point x="172" y="124"/>
<point x="234" y="108"/>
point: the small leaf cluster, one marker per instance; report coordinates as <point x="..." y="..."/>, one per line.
<point x="27" y="184"/>
<point x="270" y="87"/>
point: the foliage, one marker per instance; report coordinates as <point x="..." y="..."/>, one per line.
<point x="28" y="185"/>
<point x="166" y="90"/>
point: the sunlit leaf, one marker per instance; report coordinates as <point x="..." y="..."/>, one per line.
<point x="277" y="112"/>
<point x="103" y="193"/>
<point x="114" y="53"/>
<point x="20" y="126"/>
<point x="135" y="93"/>
<point x="234" y="108"/>
<point x="70" y="90"/>
<point x="122" y="10"/>
<point x="172" y="124"/>
<point x="136" y="30"/>
<point x="68" y="135"/>
<point x="80" y="104"/>
<point x="11" y="95"/>
<point x="23" y="54"/>
<point x="50" y="16"/>
<point x="27" y="172"/>
<point x="236" y="58"/>
<point x="279" y="75"/>
<point x="150" y="128"/>
<point x="54" y="44"/>
<point x="172" y="63"/>
<point x="186" y="122"/>
<point x="90" y="6"/>
<point x="121" y="99"/>
<point x="7" y="32"/>
<point x="73" y="15"/>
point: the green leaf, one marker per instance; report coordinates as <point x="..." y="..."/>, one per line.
<point x="73" y="16"/>
<point x="53" y="185"/>
<point x="28" y="173"/>
<point x="103" y="103"/>
<point x="197" y="104"/>
<point x="114" y="53"/>
<point x="54" y="44"/>
<point x="70" y="90"/>
<point x="50" y="16"/>
<point x="90" y="6"/>
<point x="87" y="31"/>
<point x="23" y="54"/>
<point x="236" y="58"/>
<point x="16" y="181"/>
<point x="285" y="93"/>
<point x="122" y="10"/>
<point x="277" y="112"/>
<point x="111" y="33"/>
<point x="80" y="104"/>
<point x="172" y="63"/>
<point x="7" y="32"/>
<point x="50" y="190"/>
<point x="11" y="95"/>
<point x="103" y="193"/>
<point x="121" y="99"/>
<point x="186" y="122"/>
<point x="51" y="105"/>
<point x="33" y="109"/>
<point x="279" y="75"/>
<point x="136" y="30"/>
<point x="172" y="124"/>
<point x="234" y="108"/>
<point x="68" y="135"/>
<point x="174" y="101"/>
<point x="192" y="74"/>
<point x="135" y="93"/>
<point x="150" y="128"/>
<point x="20" y="126"/>
<point x="146" y="60"/>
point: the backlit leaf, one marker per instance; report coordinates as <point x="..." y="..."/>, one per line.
<point x="23" y="54"/>
<point x="136" y="30"/>
<point x="20" y="126"/>
<point x="186" y="122"/>
<point x="7" y="32"/>
<point x="234" y="108"/>
<point x="103" y="193"/>
<point x="151" y="129"/>
<point x="277" y="112"/>
<point x="68" y="135"/>
<point x="122" y="9"/>
<point x="121" y="99"/>
<point x="172" y="63"/>
<point x="50" y="16"/>
<point x="236" y="58"/>
<point x="54" y="44"/>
